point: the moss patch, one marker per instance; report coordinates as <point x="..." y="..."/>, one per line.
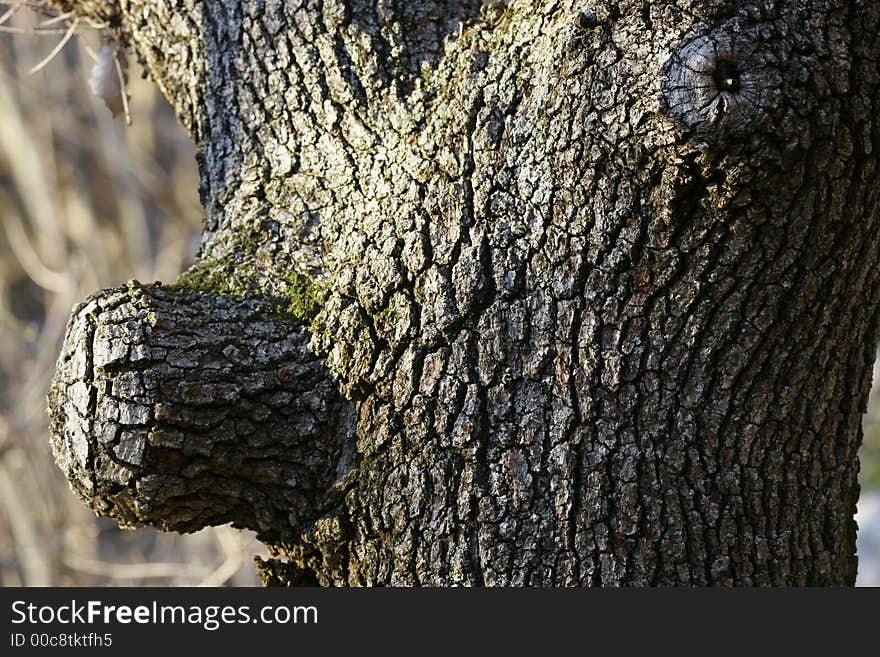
<point x="304" y="297"/>
<point x="297" y="296"/>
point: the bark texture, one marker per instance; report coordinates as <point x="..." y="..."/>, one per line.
<point x="185" y="411"/>
<point x="595" y="291"/>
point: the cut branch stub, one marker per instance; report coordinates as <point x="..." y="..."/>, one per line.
<point x="722" y="84"/>
<point x="189" y="410"/>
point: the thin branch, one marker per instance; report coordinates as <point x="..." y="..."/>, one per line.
<point x="122" y="87"/>
<point x="230" y="544"/>
<point x="10" y="13"/>
<point x="24" y="524"/>
<point x="60" y="18"/>
<point x="67" y="36"/>
<point x="29" y="259"/>
<point x="124" y="571"/>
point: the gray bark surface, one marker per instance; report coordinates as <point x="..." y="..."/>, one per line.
<point x="589" y="291"/>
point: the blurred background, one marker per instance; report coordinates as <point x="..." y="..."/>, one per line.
<point x="86" y="203"/>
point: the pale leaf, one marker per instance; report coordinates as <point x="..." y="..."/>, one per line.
<point x="105" y="81"/>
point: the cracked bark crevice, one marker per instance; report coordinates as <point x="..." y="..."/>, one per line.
<point x="597" y="289"/>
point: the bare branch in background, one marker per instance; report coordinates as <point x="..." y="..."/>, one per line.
<point x="71" y="30"/>
<point x="84" y="203"/>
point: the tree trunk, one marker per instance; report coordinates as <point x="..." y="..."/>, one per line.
<point x="590" y="291"/>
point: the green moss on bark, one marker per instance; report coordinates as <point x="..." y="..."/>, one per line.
<point x="296" y="295"/>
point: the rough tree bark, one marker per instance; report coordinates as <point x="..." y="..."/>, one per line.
<point x="563" y="292"/>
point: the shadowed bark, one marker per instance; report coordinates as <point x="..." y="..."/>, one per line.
<point x="595" y="291"/>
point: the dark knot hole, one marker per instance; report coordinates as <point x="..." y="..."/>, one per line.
<point x="726" y="76"/>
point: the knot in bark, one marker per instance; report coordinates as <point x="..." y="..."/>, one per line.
<point x="722" y="85"/>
